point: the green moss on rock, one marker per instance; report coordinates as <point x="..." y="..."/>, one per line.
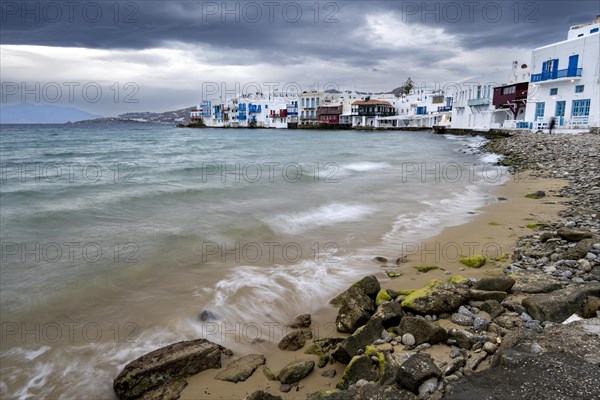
<point x="405" y="292"/>
<point x="426" y="268"/>
<point x="424" y="291"/>
<point x="474" y="261"/>
<point x="382" y="297"/>
<point x="314" y="349"/>
<point x="459" y="279"/>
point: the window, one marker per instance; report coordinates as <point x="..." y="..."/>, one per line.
<point x="581" y="108"/>
<point x="580" y="35"/>
<point x="560" y="109"/>
<point x="553" y="91"/>
<point x="509" y="90"/>
<point x="594" y="30"/>
<point x="303" y="102"/>
<point x="539" y="110"/>
<point x="579" y="88"/>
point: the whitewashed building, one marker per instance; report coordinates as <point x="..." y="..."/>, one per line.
<point x="565" y="81"/>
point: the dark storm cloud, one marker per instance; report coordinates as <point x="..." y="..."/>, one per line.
<point x="276" y="27"/>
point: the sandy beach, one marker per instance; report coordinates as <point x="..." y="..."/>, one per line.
<point x="493" y="232"/>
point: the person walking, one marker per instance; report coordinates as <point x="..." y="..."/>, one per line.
<point x="551" y="125"/>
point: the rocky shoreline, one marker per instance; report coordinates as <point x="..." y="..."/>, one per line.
<point x="528" y="330"/>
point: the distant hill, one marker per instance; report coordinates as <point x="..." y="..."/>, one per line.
<point x="167" y="117"/>
<point x="41" y="114"/>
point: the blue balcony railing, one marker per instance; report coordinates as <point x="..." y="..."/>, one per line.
<point x="444" y="108"/>
<point x="561" y="73"/>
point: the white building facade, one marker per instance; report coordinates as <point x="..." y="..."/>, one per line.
<point x="565" y="81"/>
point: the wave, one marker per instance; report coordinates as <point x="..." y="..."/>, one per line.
<point x="326" y="215"/>
<point x="365" y="166"/>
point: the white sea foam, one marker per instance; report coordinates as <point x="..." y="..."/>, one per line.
<point x="365" y="166"/>
<point x="327" y="215"/>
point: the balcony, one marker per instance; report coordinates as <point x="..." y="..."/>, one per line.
<point x="444" y="108"/>
<point x="559" y="74"/>
<point x="482" y="101"/>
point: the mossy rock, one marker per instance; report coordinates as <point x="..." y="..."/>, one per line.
<point x="459" y="279"/>
<point x="315" y="349"/>
<point x="426" y="268"/>
<point x="323" y="360"/>
<point x="405" y="292"/>
<point x="392" y="274"/>
<point x="321" y="394"/>
<point x="533" y="226"/>
<point x="474" y="261"/>
<point x="424" y="291"/>
<point x="502" y="257"/>
<point x="382" y="297"/>
<point x="494" y="223"/>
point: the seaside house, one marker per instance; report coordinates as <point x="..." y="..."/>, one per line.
<point x="565" y="81"/>
<point x="329" y="115"/>
<point x="366" y="113"/>
<point x="510" y="100"/>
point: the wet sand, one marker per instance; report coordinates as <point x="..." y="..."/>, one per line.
<point x="492" y="232"/>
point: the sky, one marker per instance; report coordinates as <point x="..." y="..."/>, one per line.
<point x="111" y="57"/>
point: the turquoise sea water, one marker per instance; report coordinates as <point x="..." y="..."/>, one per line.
<point x="115" y="238"/>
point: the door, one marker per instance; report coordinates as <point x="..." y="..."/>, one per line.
<point x="573" y="61"/>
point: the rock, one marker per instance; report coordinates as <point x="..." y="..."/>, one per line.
<point x="323" y="360"/>
<point x="545" y="236"/>
<point x="329" y="373"/>
<point x="207" y="315"/>
<point x="578" y="251"/>
<point x="428" y="387"/>
<point x="242" y="368"/>
<point x="464" y="339"/>
<point x="262" y="395"/>
<point x="285" y="388"/>
<point x="389" y="313"/>
<point x="381" y="259"/>
<point x="480" y="324"/>
<point x="591" y="307"/>
<point x="492" y="307"/>
<point x="368" y="391"/>
<point x="360" y="367"/>
<point x="559" y="305"/>
<point x="362" y="337"/>
<point x="495" y="284"/>
<point x="461" y="319"/>
<point x="548" y="376"/>
<point x="489" y="347"/>
<point x="507" y="321"/>
<point x="382" y="297"/>
<point x="416" y="370"/>
<point x="536" y="195"/>
<point x="477" y="360"/>
<point x="391" y="365"/>
<point x="368" y="285"/>
<point x="483" y="295"/>
<point x="349" y="318"/>
<point x="422" y="330"/>
<point x="574" y="235"/>
<point x="268" y="373"/>
<point x="535" y="283"/>
<point x="166" y="365"/>
<point x="295" y="371"/>
<point x="435" y="298"/>
<point x="454" y="366"/>
<point x="408" y="340"/>
<point x="301" y="321"/>
<point x="294" y="340"/>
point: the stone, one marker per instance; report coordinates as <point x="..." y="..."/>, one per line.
<point x="349" y="319"/>
<point x="165" y="366"/>
<point x="480" y="324"/>
<point x="408" y="340"/>
<point x="435" y="298"/>
<point x="416" y="370"/>
<point x="454" y="366"/>
<point x="368" y="391"/>
<point x="561" y="304"/>
<point x="294" y="340"/>
<point x="490" y="347"/>
<point x="241" y="369"/>
<point x="369" y="285"/>
<point x="495" y="284"/>
<point x="262" y="395"/>
<point x="574" y="235"/>
<point x="329" y="373"/>
<point x="483" y="295"/>
<point x="535" y="283"/>
<point x="362" y="337"/>
<point x="285" y="388"/>
<point x="547" y="376"/>
<point x="428" y="387"/>
<point x="389" y="313"/>
<point x="545" y="236"/>
<point x="477" y="360"/>
<point x="507" y="321"/>
<point x="207" y="315"/>
<point x="422" y="330"/>
<point x="492" y="307"/>
<point x="381" y="259"/>
<point x="295" y="371"/>
<point x="301" y="321"/>
<point x="360" y="367"/>
<point x="591" y="307"/>
<point x="463" y="339"/>
<point x="461" y="319"/>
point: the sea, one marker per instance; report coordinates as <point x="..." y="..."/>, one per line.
<point x="117" y="239"/>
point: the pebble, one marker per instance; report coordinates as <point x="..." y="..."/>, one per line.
<point x="285" y="387"/>
<point x="490" y="348"/>
<point x="480" y="324"/>
<point x="408" y="339"/>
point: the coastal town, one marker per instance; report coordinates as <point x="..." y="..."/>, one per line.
<point x="558" y="87"/>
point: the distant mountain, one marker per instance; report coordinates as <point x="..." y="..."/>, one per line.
<point x="41" y="114"/>
<point x="167" y="117"/>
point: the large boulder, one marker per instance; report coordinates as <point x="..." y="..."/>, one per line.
<point x="389" y="313"/>
<point x="241" y="369"/>
<point x="416" y="370"/>
<point x="561" y="304"/>
<point x="295" y="371"/>
<point x="369" y="285"/>
<point x="424" y="331"/>
<point x="547" y="376"/>
<point x="357" y="308"/>
<point x="574" y="235"/>
<point x="301" y="321"/>
<point x="578" y="251"/>
<point x="535" y="282"/>
<point x="435" y="298"/>
<point x="165" y="366"/>
<point x="363" y="336"/>
<point x="360" y="367"/>
<point x="495" y="283"/>
<point x="294" y="340"/>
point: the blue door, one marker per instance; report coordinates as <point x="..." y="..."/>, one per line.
<point x="555" y="68"/>
<point x="573" y="61"/>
